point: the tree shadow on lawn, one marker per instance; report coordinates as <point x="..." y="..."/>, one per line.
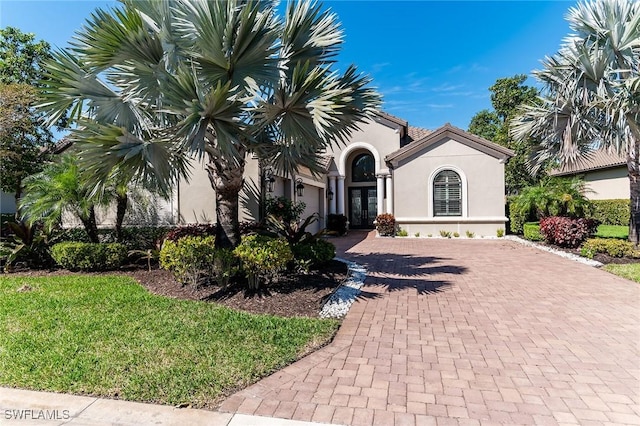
<point x="395" y="272"/>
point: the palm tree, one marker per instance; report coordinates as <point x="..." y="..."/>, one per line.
<point x="59" y="190"/>
<point x="153" y="84"/>
<point x="591" y="95"/>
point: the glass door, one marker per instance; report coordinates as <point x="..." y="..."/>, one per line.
<point x="363" y="205"/>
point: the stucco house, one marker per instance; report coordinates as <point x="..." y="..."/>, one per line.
<point x="446" y="179"/>
<point x="605" y="175"/>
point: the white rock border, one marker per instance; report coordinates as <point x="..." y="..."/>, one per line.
<point x="560" y="253"/>
<point x="341" y="300"/>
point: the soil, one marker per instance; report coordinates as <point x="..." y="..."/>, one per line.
<point x="292" y="294"/>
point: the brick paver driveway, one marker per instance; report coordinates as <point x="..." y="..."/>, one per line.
<point x="468" y="332"/>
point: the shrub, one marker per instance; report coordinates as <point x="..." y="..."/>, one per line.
<point x="550" y="197"/>
<point x="189" y="258"/>
<point x="456" y="234"/>
<point x="611" y="212"/>
<point x="470" y="234"/>
<point x="200" y="230"/>
<point x="517" y="218"/>
<point x="566" y="231"/>
<point x="445" y="234"/>
<point x="284" y="209"/>
<point x="89" y="256"/>
<point x="612" y="247"/>
<point x="262" y="257"/>
<point x="249" y="227"/>
<point x="532" y="231"/>
<point x="402" y="233"/>
<point x="417" y="235"/>
<point x="313" y="253"/>
<point x="27" y="244"/>
<point x="337" y="223"/>
<point x="500" y="232"/>
<point x="386" y="225"/>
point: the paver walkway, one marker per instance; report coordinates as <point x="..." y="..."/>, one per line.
<point x="467" y="332"/>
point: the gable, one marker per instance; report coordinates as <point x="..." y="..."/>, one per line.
<point x="449" y="135"/>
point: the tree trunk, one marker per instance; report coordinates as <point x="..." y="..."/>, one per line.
<point x="226" y="178"/>
<point x="91" y="226"/>
<point x="633" y="166"/>
<point x="121" y="209"/>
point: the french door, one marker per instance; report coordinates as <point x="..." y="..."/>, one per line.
<point x="363" y="207"/>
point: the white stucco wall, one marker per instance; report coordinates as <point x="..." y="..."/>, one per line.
<point x="607" y="184"/>
<point x="483" y="190"/>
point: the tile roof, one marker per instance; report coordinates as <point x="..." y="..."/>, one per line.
<point x="393" y="118"/>
<point x="416" y="133"/>
<point x="476" y="142"/>
<point x="594" y="160"/>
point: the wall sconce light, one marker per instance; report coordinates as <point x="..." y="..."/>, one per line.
<point x="299" y="187"/>
<point x="330" y="194"/>
<point x="268" y="179"/>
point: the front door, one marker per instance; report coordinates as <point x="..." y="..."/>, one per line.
<point x="363" y="207"/>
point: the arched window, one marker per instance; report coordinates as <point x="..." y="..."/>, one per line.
<point x="447" y="194"/>
<point x="363" y="168"/>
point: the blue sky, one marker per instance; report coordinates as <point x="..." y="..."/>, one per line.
<point x="433" y="61"/>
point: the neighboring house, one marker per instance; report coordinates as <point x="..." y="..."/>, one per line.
<point x="605" y="174"/>
<point x="7" y="202"/>
<point x="447" y="179"/>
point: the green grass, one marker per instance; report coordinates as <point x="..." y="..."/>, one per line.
<point x="107" y="336"/>
<point x="630" y="271"/>
<point x="613" y="231"/>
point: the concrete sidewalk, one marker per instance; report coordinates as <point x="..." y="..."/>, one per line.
<point x="25" y="408"/>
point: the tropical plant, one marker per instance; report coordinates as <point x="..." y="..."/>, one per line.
<point x="153" y="84"/>
<point x="27" y="244"/>
<point x="57" y="190"/>
<point x="550" y="197"/>
<point x="591" y="93"/>
<point x="386" y="224"/>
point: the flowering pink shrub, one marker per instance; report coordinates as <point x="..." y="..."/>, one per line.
<point x="566" y="231"/>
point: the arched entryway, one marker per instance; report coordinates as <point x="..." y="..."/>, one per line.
<point x="362" y="196"/>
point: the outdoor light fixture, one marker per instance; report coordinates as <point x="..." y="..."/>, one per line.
<point x="330" y="194"/>
<point x="269" y="180"/>
<point x="299" y="187"/>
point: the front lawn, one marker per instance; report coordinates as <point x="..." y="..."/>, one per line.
<point x="630" y="271"/>
<point x="107" y="336"/>
<point x="612" y="231"/>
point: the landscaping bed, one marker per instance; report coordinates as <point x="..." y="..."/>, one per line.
<point x="291" y="294"/>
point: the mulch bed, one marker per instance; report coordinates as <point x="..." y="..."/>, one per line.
<point x="600" y="257"/>
<point x="292" y="294"/>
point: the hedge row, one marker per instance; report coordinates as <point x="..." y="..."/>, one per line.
<point x="611" y="212"/>
<point x="77" y="256"/>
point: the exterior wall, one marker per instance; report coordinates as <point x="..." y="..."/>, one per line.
<point x="7" y="202"/>
<point x="196" y="198"/>
<point x="482" y="187"/>
<point x="607" y="184"/>
<point x="382" y="139"/>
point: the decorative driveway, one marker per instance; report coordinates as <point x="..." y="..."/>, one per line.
<point x="467" y="332"/>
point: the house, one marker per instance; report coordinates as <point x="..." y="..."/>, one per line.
<point x="604" y="173"/>
<point x="446" y="179"/>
